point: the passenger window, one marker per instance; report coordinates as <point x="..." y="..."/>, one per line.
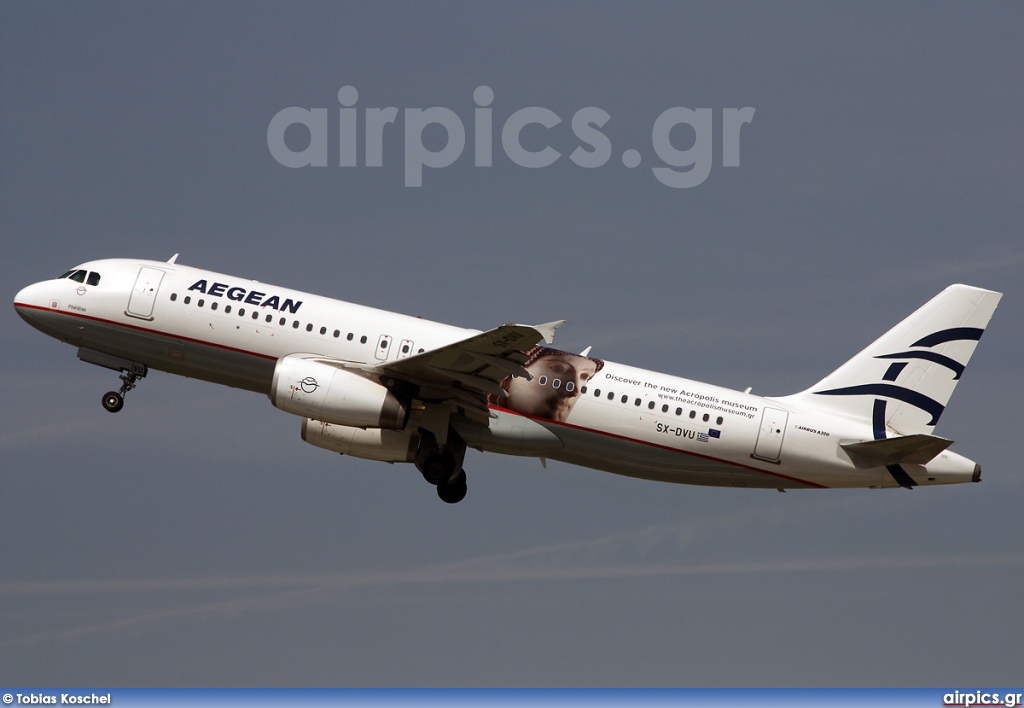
<point x="651" y="405"/>
<point x="706" y="417"/>
<point x="187" y="300"/>
<point x="337" y="333"/>
<point x="200" y="302"/>
<point x="295" y="324"/>
<point x="664" y="408"/>
<point x="611" y="396"/>
<point x="597" y="393"/>
<point x="270" y="319"/>
<point x="174" y="297"/>
<point x="255" y="315"/>
<point x="213" y="306"/>
<point x="241" y="312"/>
<point x="718" y="420"/>
<point x="309" y="327"/>
<point x="405" y="347"/>
<point x="570" y="387"/>
<point x="349" y="337"/>
<point x="636" y="402"/>
<point x="362" y="340"/>
<point x="282" y="322"/>
<point x="94" y="279"/>
<point x="323" y="330"/>
<point x="543" y="380"/>
<point x="583" y="389"/>
<point x="227" y="309"/>
<point x="557" y="383"/>
<point x="693" y="414"/>
<point x="679" y="411"/>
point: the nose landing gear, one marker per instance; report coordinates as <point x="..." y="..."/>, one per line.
<point x="131" y="371"/>
<point x="113" y="401"/>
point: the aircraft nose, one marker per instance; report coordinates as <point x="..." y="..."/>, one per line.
<point x="24" y="295"/>
<point x="28" y="298"/>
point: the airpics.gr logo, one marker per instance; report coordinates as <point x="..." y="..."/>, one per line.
<point x="680" y="169"/>
<point x="982" y="698"/>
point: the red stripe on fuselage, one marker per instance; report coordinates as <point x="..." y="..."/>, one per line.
<point x="499" y="408"/>
<point x="145" y="329"/>
<point x="660" y="447"/>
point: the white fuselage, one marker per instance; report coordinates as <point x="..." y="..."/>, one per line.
<point x="626" y="420"/>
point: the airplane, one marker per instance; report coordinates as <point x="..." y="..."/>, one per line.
<point x="384" y="386"/>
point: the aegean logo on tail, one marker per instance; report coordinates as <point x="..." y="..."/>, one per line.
<point x="918" y="400"/>
<point x="914" y="398"/>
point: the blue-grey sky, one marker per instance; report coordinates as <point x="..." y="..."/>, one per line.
<point x="194" y="539"/>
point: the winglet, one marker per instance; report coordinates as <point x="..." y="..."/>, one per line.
<point x="548" y="330"/>
<point x="173" y="258"/>
<point x="586" y="352"/>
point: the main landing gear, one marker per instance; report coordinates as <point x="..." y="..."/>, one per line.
<point x="454" y="490"/>
<point x="113" y="401"/>
<point x="441" y="466"/>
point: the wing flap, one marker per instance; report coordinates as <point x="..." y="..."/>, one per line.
<point x="472" y="381"/>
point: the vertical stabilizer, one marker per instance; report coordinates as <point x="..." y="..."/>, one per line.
<point x="903" y="381"/>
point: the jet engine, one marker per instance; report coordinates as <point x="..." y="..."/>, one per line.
<point x="319" y="388"/>
<point x="371" y="443"/>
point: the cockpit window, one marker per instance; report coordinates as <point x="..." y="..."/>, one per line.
<point x="82" y="276"/>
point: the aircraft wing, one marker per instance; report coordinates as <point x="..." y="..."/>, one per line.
<point x="466" y="371"/>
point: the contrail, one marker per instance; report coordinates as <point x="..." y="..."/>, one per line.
<point x="503" y="568"/>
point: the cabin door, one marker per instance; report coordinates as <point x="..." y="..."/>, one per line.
<point x="769" y="437"/>
<point x="143" y="297"/>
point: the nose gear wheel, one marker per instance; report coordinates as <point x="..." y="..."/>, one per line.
<point x="113" y="401"/>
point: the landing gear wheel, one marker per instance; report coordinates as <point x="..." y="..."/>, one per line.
<point x="113" y="401"/>
<point x="438" y="468"/>
<point x="455" y="491"/>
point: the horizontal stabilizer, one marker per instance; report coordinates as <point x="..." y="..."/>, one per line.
<point x="910" y="449"/>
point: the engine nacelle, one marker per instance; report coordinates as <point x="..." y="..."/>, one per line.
<point x="304" y="384"/>
<point x="368" y="443"/>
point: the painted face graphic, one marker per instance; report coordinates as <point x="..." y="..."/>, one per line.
<point x="557" y="378"/>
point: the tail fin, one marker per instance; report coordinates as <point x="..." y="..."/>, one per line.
<point x="903" y="381"/>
